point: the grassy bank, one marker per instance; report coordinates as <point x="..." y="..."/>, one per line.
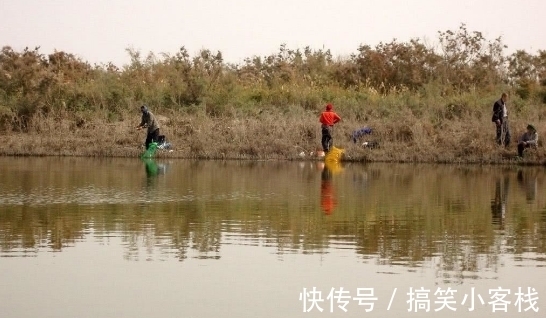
<point x="424" y="104"/>
<point x="408" y="128"/>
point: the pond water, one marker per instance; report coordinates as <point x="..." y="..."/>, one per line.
<point x="84" y="237"/>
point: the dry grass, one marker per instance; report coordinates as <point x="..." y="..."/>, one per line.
<point x="277" y="134"/>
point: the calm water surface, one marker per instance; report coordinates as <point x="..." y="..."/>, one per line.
<point x="131" y="238"/>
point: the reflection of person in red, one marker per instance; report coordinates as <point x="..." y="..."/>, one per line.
<point x="327" y="198"/>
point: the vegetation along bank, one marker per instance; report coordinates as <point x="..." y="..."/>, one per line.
<point x="423" y="103"/>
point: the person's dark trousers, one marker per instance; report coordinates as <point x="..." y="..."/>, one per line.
<point x="326" y="138"/>
<point x="503" y="133"/>
<point x="522" y="147"/>
<point x="151" y="137"/>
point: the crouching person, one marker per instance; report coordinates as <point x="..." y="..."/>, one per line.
<point x="528" y="139"/>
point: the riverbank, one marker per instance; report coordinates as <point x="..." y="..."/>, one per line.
<point x="423" y="104"/>
<point x="455" y="134"/>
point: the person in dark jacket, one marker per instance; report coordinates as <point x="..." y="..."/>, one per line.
<point x="148" y="121"/>
<point x="500" y="118"/>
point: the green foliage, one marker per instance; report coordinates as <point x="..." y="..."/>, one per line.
<point x="469" y="60"/>
<point x="411" y="73"/>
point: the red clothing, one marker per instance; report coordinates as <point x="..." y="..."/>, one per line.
<point x="327" y="198"/>
<point x="329" y="118"/>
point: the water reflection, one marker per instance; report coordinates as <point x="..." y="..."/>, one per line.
<point x="153" y="170"/>
<point x="327" y="193"/>
<point x="527" y="180"/>
<point x="498" y="204"/>
<point x="390" y="215"/>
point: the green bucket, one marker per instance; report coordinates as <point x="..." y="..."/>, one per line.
<point x="150" y="152"/>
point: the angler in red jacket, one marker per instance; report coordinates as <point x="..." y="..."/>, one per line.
<point x="328" y="119"/>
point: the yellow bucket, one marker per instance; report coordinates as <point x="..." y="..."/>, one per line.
<point x="334" y="155"/>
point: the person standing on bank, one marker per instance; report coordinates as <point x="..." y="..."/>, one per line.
<point x="149" y="122"/>
<point x="500" y="118"/>
<point x="328" y="119"/>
